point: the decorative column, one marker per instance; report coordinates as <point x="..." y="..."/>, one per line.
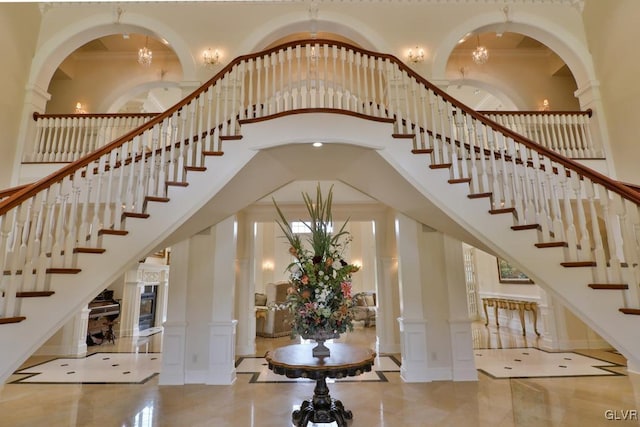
<point x="161" y="296"/>
<point x="175" y="327"/>
<point x="413" y="325"/>
<point x="388" y="333"/>
<point x="462" y="358"/>
<point x="222" y="328"/>
<point x="130" y="307"/>
<point x="245" y="289"/>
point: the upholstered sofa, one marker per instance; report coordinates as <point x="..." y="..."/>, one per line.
<point x="366" y="308"/>
<point x="273" y="322"/>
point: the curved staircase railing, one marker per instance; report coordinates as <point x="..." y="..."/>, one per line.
<point x="594" y="218"/>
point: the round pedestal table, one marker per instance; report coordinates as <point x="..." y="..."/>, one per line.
<point x="296" y="361"/>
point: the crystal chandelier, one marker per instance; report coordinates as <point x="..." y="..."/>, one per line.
<point x="145" y="55"/>
<point x="480" y="55"/>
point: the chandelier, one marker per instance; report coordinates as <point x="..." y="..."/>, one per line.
<point x="145" y="55"/>
<point x="480" y="54"/>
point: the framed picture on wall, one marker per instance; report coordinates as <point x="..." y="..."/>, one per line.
<point x="511" y="275"/>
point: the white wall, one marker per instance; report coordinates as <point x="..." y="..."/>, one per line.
<point x="19" y="24"/>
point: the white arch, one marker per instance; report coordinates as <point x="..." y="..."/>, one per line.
<point x="571" y="50"/>
<point x="116" y="100"/>
<point x="510" y="99"/>
<point x="333" y="22"/>
<point x="51" y="53"/>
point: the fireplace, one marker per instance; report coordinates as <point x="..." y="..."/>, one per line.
<point x="147" y="307"/>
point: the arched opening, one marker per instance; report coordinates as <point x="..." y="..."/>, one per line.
<point x="113" y="61"/>
<point x="519" y="70"/>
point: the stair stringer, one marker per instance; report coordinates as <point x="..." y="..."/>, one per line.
<point x="570" y="285"/>
<point x="45" y="316"/>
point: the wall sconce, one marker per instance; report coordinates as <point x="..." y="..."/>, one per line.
<point x="357" y="263"/>
<point x="417" y="56"/>
<point x="79" y="109"/>
<point x="545" y="105"/>
<point x="210" y="57"/>
<point x="267" y="265"/>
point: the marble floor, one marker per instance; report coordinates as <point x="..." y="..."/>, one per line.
<point x="572" y="399"/>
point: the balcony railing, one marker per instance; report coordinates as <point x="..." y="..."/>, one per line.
<point x="565" y="132"/>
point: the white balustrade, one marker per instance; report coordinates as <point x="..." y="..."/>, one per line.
<point x="592" y="217"/>
<point x="565" y="132"/>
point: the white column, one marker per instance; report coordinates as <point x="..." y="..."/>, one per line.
<point x="130" y="306"/>
<point x="245" y="289"/>
<point x="161" y="297"/>
<point x="175" y="327"/>
<point x="222" y="329"/>
<point x="462" y="358"/>
<point x="387" y="289"/>
<point x="413" y="325"/>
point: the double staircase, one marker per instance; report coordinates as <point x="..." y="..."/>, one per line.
<point x="67" y="236"/>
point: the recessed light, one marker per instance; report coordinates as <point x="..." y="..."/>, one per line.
<point x="317" y="144"/>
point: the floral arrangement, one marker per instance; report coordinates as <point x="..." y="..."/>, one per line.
<point x="319" y="297"/>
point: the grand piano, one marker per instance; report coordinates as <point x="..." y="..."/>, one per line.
<point x="104" y="310"/>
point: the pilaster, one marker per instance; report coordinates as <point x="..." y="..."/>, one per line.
<point x="222" y="338"/>
<point x="173" y="353"/>
<point x="413" y="341"/>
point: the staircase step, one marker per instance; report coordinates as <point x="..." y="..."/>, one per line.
<point x="578" y="264"/>
<point x="63" y="270"/>
<point x="403" y="135"/>
<point x="608" y="286"/>
<point x="422" y="150"/>
<point x="177" y="183"/>
<point x="552" y="245"/>
<point x="501" y="211"/>
<point x="34" y="294"/>
<point x="525" y="227"/>
<point x="156" y="199"/>
<point x="479" y="195"/>
<point x="88" y="250"/>
<point x="630" y="310"/>
<point x="441" y="166"/>
<point x="196" y="168"/>
<point x="230" y="137"/>
<point x="4" y="320"/>
<point x="213" y="153"/>
<point x="135" y="215"/>
<point x="112" y="232"/>
<point x="459" y="181"/>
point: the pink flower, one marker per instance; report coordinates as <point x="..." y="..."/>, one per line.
<point x="346" y="289"/>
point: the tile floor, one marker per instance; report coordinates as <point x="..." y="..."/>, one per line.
<point x="584" y="401"/>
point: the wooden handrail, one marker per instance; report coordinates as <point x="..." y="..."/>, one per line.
<point x="10" y="191"/>
<point x="37" y="115"/>
<point x="588" y="112"/>
<point x="595" y="176"/>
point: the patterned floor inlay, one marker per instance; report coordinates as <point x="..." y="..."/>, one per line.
<point x="258" y="367"/>
<point x="535" y="363"/>
<point x="98" y="368"/>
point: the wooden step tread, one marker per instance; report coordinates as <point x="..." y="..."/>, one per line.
<point x="230" y="137"/>
<point x="88" y="250"/>
<point x="630" y="310"/>
<point x="213" y="153"/>
<point x="610" y="286"/>
<point x="525" y="227"/>
<point x="196" y="168"/>
<point x="156" y="199"/>
<point x="34" y="294"/>
<point x="552" y="245"/>
<point x="501" y="211"/>
<point x="479" y="195"/>
<point x="177" y="183"/>
<point x="571" y="264"/>
<point x="63" y="270"/>
<point x="17" y="319"/>
<point x="441" y="166"/>
<point x="459" y="181"/>
<point x="135" y="215"/>
<point x="112" y="232"/>
<point x="403" y="135"/>
<point x="422" y="150"/>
